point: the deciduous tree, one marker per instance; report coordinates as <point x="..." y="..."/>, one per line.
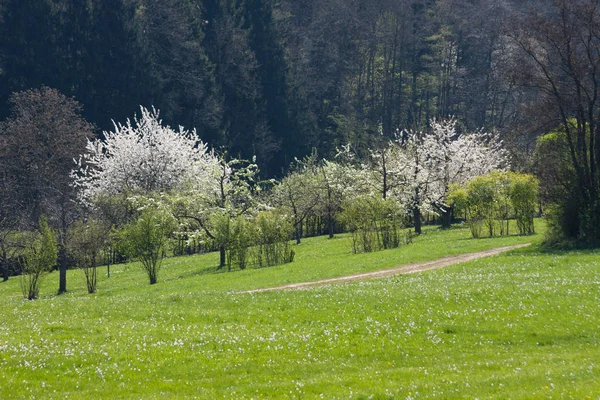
<point x="37" y="145"/>
<point x="40" y="254"/>
<point x="557" y="53"/>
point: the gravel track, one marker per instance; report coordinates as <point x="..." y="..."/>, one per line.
<point x="399" y="270"/>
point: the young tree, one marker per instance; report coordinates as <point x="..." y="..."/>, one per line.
<point x="299" y="192"/>
<point x="146" y="238"/>
<point x="273" y="230"/>
<point x="524" y="200"/>
<point x="40" y="254"/>
<point x="490" y="200"/>
<point x="477" y="200"/>
<point x="374" y="223"/>
<point x="86" y="240"/>
<point x="337" y="181"/>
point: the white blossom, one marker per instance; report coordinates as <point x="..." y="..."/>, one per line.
<point x="142" y="156"/>
<point x="428" y="163"/>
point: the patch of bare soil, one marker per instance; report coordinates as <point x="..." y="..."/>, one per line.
<point x="399" y="270"/>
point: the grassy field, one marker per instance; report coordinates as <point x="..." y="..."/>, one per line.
<point x="524" y="324"/>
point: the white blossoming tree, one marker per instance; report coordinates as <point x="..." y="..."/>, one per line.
<point x="337" y="181"/>
<point x="143" y="160"/>
<point x="388" y="169"/>
<point x="140" y="157"/>
<point x="456" y="158"/>
<point x="430" y="162"/>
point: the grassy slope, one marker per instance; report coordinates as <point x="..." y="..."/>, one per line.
<point x="523" y="324"/>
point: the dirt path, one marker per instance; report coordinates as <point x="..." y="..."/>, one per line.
<point x="399" y="270"/>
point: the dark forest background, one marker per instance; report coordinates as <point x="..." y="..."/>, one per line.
<point x="275" y="79"/>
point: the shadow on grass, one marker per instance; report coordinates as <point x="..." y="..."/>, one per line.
<point x="204" y="271"/>
<point x="574" y="250"/>
<point x="512" y="235"/>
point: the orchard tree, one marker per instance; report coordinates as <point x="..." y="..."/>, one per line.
<point x="146" y="238"/>
<point x="456" y="158"/>
<point x="140" y="157"/>
<point x="40" y="254"/>
<point x="388" y="169"/>
<point x="442" y="157"/>
<point x="337" y="182"/>
<point x="87" y="239"/>
<point x="298" y="192"/>
<point x="224" y="190"/>
<point x="38" y="142"/>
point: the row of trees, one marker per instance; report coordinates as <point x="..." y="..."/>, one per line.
<point x="277" y="79"/>
<point x="148" y="182"/>
<point x="222" y="203"/>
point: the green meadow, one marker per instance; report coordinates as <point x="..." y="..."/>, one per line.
<point x="523" y="324"/>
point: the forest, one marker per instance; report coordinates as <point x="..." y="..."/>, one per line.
<point x="277" y="79"/>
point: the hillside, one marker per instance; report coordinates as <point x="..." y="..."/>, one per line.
<point x="521" y="324"/>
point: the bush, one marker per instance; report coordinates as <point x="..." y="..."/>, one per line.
<point x="273" y="233"/>
<point x="261" y="241"/>
<point x="490" y="201"/>
<point x="146" y="239"/>
<point x="40" y="254"/>
<point x="86" y="241"/>
<point x="374" y="223"/>
<point x="240" y="240"/>
<point x="523" y="197"/>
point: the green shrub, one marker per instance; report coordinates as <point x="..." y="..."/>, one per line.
<point x="260" y="241"/>
<point x="481" y="206"/>
<point x="523" y="197"/>
<point x="40" y="254"/>
<point x="273" y="233"/>
<point x="146" y="239"/>
<point x="374" y="223"/>
<point x="241" y="238"/>
<point x="490" y="201"/>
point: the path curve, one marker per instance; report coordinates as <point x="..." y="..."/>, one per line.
<point x="399" y="270"/>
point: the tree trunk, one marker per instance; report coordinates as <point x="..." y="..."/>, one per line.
<point x="62" y="267"/>
<point x="108" y="264"/>
<point x="417" y="218"/>
<point x="446" y="218"/>
<point x="4" y="270"/>
<point x="330" y="225"/>
<point x="221" y="257"/>
<point x="298" y="234"/>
